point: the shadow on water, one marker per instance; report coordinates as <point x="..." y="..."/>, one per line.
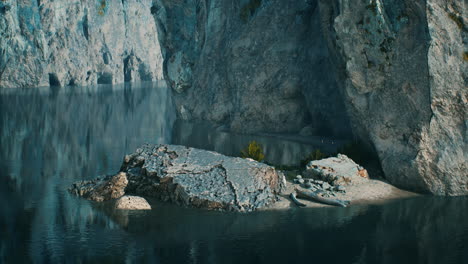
<point x="53" y="137"/>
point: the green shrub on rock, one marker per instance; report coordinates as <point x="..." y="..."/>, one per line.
<point x="253" y="151"/>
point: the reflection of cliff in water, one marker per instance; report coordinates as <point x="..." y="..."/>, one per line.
<point x="52" y="137"/>
<point x="433" y="230"/>
<point x="423" y="230"/>
<point x="80" y="127"/>
<point x="279" y="149"/>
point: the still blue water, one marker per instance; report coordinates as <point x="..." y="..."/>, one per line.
<point x="52" y="137"/>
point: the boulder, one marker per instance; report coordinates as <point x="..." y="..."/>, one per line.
<point x="194" y="177"/>
<point x="339" y="170"/>
<point x="129" y="202"/>
<point x="102" y="189"/>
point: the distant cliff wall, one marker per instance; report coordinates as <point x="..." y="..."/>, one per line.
<point x="77" y="42"/>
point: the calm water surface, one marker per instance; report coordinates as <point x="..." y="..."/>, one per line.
<point x="52" y="137"/>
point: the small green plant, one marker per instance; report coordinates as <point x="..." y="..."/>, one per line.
<point x="253" y="151"/>
<point x="249" y="9"/>
<point x="314" y="155"/>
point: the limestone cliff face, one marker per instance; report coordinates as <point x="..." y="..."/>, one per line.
<point x="397" y="67"/>
<point x="253" y="65"/>
<point x="77" y="42"/>
<point x="405" y="86"/>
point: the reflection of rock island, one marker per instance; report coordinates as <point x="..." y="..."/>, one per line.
<point x="377" y="231"/>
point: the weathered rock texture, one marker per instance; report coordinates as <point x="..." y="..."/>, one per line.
<point x="253" y="65"/>
<point x="77" y="42"/>
<point x="129" y="202"/>
<point x="405" y="69"/>
<point x="192" y="177"/>
<point x="102" y="189"/>
<point x="399" y="68"/>
<point x="339" y="170"/>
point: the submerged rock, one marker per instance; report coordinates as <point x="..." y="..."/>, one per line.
<point x="194" y="177"/>
<point x="129" y="202"/>
<point x="339" y="170"/>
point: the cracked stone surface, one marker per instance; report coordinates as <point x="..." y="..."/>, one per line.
<point x="197" y="178"/>
<point x="339" y="170"/>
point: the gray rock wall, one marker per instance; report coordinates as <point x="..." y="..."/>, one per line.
<point x="397" y="69"/>
<point x="405" y="83"/>
<point x="77" y="42"/>
<point x="253" y="65"/>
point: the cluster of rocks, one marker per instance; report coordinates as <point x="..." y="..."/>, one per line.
<point x="339" y="170"/>
<point x="190" y="177"/>
<point x="326" y="189"/>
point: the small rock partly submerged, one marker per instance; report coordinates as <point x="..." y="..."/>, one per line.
<point x="129" y="202"/>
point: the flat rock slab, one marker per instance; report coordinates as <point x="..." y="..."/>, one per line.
<point x="339" y="170"/>
<point x="196" y="178"/>
<point x="129" y="202"/>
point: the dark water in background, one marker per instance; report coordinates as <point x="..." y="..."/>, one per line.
<point x="50" y="138"/>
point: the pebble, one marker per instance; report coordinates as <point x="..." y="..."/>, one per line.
<point x="301" y="181"/>
<point x="298" y="177"/>
<point x="326" y="186"/>
<point x="308" y="185"/>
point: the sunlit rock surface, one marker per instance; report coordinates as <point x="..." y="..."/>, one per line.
<point x="100" y="190"/>
<point x="339" y="170"/>
<point x="76" y="42"/>
<point x="191" y="177"/>
<point x="129" y="202"/>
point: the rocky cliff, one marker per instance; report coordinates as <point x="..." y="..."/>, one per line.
<point x="397" y="67"/>
<point x="405" y="86"/>
<point x="253" y="65"/>
<point x="77" y="42"/>
<point x="393" y="71"/>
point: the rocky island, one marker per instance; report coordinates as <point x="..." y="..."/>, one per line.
<point x="190" y="177"/>
<point x="206" y="179"/>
